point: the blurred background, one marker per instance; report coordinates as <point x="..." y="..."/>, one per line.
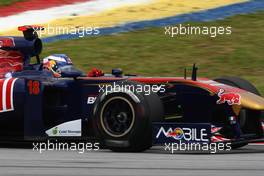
<point x="131" y="34"/>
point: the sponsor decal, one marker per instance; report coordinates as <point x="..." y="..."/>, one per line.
<point x="219" y="138"/>
<point x="6" y="94"/>
<point x="216" y="135"/>
<point x="215" y="129"/>
<point x="91" y="100"/>
<point x="55" y="131"/>
<point x="229" y="98"/>
<point x="72" y="128"/>
<point x="173" y="132"/>
<point x="176" y="134"/>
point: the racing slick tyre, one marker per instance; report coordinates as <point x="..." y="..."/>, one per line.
<point x="248" y="119"/>
<point x="123" y="119"/>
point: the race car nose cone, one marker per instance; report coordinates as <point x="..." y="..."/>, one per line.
<point x="252" y="101"/>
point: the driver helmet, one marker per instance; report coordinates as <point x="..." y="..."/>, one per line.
<point x="55" y="62"/>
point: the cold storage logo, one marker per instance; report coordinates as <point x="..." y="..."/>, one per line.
<point x="72" y="128"/>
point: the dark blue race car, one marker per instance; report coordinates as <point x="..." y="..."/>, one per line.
<point x="51" y="99"/>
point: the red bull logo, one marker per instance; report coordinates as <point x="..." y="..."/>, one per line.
<point x="229" y="98"/>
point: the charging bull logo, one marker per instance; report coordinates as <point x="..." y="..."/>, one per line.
<point x="230" y="98"/>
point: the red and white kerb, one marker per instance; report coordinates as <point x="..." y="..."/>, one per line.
<point x="6" y="94"/>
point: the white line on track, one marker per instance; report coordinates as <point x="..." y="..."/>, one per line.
<point x="46" y="15"/>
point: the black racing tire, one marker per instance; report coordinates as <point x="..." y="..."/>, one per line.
<point x="238" y="82"/>
<point x="123" y="120"/>
<point x="245" y="114"/>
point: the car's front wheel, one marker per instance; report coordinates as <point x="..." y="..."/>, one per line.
<point x="123" y="120"/>
<point x="249" y="120"/>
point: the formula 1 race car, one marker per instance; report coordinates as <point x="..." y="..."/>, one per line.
<point x="51" y="99"/>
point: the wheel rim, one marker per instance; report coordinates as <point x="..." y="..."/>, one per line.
<point x="117" y="117"/>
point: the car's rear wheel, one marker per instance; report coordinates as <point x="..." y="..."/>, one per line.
<point x="123" y="120"/>
<point x="248" y="119"/>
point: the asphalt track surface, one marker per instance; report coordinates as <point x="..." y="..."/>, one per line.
<point x="247" y="161"/>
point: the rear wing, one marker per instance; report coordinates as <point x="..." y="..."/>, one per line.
<point x="29" y="45"/>
<point x="30" y="32"/>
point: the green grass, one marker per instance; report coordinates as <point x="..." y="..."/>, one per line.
<point x="8" y="2"/>
<point x="150" y="52"/>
